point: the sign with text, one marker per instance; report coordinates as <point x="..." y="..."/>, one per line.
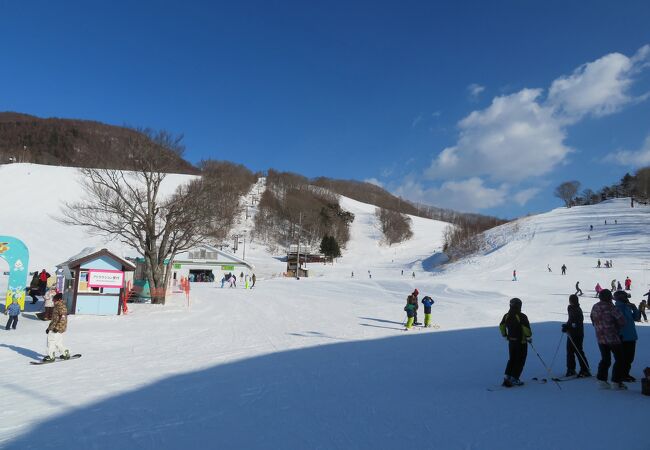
<point x="105" y="278"/>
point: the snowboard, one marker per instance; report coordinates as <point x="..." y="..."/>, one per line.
<point x="59" y="359"/>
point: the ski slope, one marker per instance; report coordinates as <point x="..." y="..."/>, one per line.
<point x="322" y="362"/>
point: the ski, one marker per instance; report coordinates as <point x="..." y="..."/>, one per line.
<point x="59" y="359"/>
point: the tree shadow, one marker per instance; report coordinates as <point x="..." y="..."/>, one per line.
<point x="345" y="395"/>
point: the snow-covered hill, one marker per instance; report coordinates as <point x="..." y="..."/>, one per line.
<point x="323" y="362"/>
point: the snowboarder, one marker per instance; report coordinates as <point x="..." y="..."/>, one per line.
<point x="642" y="306"/>
<point x="598" y="265"/>
<point x="574" y="329"/>
<point x="628" y="283"/>
<point x="514" y="275"/>
<point x="607" y="321"/>
<point x="628" y="332"/>
<point x="14" y="311"/>
<point x="55" y="330"/>
<point x="578" y="290"/>
<point x="598" y="288"/>
<point x="563" y="269"/>
<point x="516" y="329"/>
<point x="427" y="302"/>
<point x="410" y="308"/>
<point x="33" y="288"/>
<point x="548" y="267"/>
<point x="253" y="278"/>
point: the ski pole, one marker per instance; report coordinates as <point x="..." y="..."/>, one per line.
<point x="578" y="352"/>
<point x="545" y="366"/>
<point x="557" y="350"/>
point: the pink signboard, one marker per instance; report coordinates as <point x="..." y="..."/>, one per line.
<point x="105" y="278"/>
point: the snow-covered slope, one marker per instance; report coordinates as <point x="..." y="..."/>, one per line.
<point x="323" y="362"/>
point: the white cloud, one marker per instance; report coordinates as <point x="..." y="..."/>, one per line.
<point x="466" y="195"/>
<point x="475" y="90"/>
<point x="374" y="181"/>
<point x="598" y="88"/>
<point x="638" y="158"/>
<point x="416" y="121"/>
<point x="523" y="197"/>
<point x="512" y="139"/>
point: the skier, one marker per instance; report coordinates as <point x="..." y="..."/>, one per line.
<point x="402" y="272"/>
<point x="578" y="290"/>
<point x="514" y="275"/>
<point x="55" y="330"/>
<point x="33" y="288"/>
<point x="413" y="274"/>
<point x="516" y="329"/>
<point x="619" y="287"/>
<point x="369" y="274"/>
<point x="352" y="275"/>
<point x="427" y="302"/>
<point x="628" y="283"/>
<point x="642" y="306"/>
<point x="14" y="311"/>
<point x="605" y="221"/>
<point x="607" y="320"/>
<point x="598" y="288"/>
<point x="615" y="221"/>
<point x="613" y="284"/>
<point x="410" y="311"/>
<point x="415" y="294"/>
<point x="253" y="278"/>
<point x="563" y="269"/>
<point x="575" y="336"/>
<point x="598" y="265"/>
<point x="548" y="267"/>
<point x="628" y="332"/>
<point x="589" y="237"/>
<point x="591" y="228"/>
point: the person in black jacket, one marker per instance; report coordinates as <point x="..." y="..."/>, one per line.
<point x="516" y="329"/>
<point x="574" y="329"/>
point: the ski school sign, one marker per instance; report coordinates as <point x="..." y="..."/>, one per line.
<point x="105" y="278"/>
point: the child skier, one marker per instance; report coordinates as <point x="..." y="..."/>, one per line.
<point x="14" y="312"/>
<point x="628" y="283"/>
<point x="427" y="302"/>
<point x="411" y="305"/>
<point x="574" y="329"/>
<point x="598" y="288"/>
<point x="642" y="306"/>
<point x="516" y="329"/>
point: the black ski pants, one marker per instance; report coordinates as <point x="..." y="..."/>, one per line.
<point x="629" y="350"/>
<point x="517" y="353"/>
<point x="12" y="322"/>
<point x="644" y="316"/>
<point x="606" y="352"/>
<point x="573" y="350"/>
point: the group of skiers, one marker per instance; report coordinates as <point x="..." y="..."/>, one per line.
<point x="608" y="264"/>
<point x="231" y="279"/>
<point x="615" y="328"/>
<point x="411" y="309"/>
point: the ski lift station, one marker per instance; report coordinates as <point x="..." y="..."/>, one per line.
<point x="93" y="281"/>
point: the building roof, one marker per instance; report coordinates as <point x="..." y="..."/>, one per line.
<point x="230" y="257"/>
<point x="91" y="253"/>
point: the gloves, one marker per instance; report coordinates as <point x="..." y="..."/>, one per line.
<point x="564" y="328"/>
<point x="47" y="331"/>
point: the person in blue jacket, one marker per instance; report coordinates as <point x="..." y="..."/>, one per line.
<point x="14" y="311"/>
<point x="628" y="332"/>
<point x="427" y="302"/>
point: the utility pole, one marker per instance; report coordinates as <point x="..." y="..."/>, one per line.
<point x="298" y="259"/>
<point x="244" y="256"/>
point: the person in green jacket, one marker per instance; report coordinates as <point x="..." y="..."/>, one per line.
<point x="516" y="329"/>
<point x="411" y="306"/>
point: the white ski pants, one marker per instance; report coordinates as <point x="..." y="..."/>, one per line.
<point x="55" y="343"/>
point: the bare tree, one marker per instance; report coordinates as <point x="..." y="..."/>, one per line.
<point x="396" y="227"/>
<point x="567" y="191"/>
<point x="128" y="206"/>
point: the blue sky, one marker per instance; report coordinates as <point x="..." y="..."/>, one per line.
<point x="482" y="106"/>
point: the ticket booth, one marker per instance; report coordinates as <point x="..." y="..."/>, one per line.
<point x="94" y="282"/>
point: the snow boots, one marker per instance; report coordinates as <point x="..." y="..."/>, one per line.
<point x="66" y="355"/>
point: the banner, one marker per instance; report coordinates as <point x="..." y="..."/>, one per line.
<point x="15" y="252"/>
<point x="105" y="278"/>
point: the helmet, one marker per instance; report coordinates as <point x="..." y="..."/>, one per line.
<point x="515" y="302"/>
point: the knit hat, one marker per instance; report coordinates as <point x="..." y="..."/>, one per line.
<point x="605" y="295"/>
<point x="573" y="299"/>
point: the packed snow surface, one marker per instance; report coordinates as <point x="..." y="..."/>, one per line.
<point x="323" y="362"/>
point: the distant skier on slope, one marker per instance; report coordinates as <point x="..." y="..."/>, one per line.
<point x="563" y="269"/>
<point x="578" y="290"/>
<point x="574" y="329"/>
<point x="549" y="267"/>
<point x="427" y="302"/>
<point x="642" y="307"/>
<point x="598" y="288"/>
<point x="598" y="264"/>
<point x="628" y="283"/>
<point x="514" y="275"/>
<point x="613" y="284"/>
<point x="516" y="329"/>
<point x="619" y="287"/>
